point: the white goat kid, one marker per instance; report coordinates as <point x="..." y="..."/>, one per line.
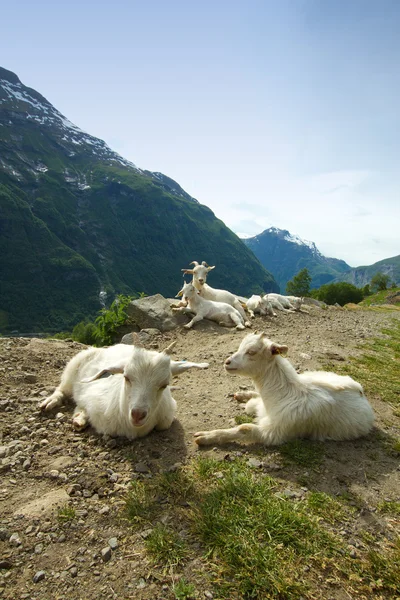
<point x="221" y="312"/>
<point x="317" y="405"/>
<point x="278" y="303"/>
<point x="122" y="390"/>
<point x="207" y="292"/>
<point x="260" y="305"/>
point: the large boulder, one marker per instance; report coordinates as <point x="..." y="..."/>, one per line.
<point x="155" y="312"/>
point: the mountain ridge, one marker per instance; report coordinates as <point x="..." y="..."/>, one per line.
<point x="79" y="222"/>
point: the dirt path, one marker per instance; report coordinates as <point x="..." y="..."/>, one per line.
<point x="45" y="465"/>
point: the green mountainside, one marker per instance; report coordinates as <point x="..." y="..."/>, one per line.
<point x="284" y="255"/>
<point x="80" y="224"/>
<point x="361" y="276"/>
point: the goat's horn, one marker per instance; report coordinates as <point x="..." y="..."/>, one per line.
<point x="204" y="264"/>
<point x="194" y="262"/>
<point x="168" y="349"/>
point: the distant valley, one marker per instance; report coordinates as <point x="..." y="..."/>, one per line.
<point x="80" y="224"/>
<point x="285" y="254"/>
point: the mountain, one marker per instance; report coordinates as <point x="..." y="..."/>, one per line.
<point x="361" y="276"/>
<point x="285" y="255"/>
<point x="79" y="223"/>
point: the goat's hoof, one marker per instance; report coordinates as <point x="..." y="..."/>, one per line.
<point x="201" y="438"/>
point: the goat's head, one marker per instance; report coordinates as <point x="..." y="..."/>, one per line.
<point x="187" y="292"/>
<point x="145" y="377"/>
<point x="255" y="351"/>
<point x="199" y="272"/>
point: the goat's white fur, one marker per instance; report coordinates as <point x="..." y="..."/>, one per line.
<point x="207" y="292"/>
<point x="260" y="305"/>
<point x="319" y="405"/>
<point x="134" y="399"/>
<point x="221" y="312"/>
<point x="279" y="303"/>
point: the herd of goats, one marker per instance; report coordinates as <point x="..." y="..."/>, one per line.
<point x="125" y="390"/>
<point x="224" y="307"/>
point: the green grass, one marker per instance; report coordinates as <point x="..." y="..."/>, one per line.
<point x="184" y="590"/>
<point x="248" y="540"/>
<point x="379" y="297"/>
<point x="240" y="419"/>
<point x="379" y="366"/>
<point x="165" y="546"/>
<point x="66" y="513"/>
<point x="303" y="452"/>
<point x="389" y="506"/>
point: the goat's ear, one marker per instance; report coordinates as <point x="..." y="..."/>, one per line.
<point x="189" y="271"/>
<point x="168" y="349"/>
<point x="194" y="262"/>
<point x="179" y="294"/>
<point x="277" y="349"/>
<point x="210" y="268"/>
<point x="99" y="374"/>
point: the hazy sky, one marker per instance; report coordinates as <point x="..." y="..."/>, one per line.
<point x="280" y="113"/>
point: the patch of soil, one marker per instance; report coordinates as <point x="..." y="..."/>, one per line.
<point x="45" y="464"/>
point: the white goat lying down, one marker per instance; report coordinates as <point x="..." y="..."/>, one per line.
<point x="222" y="313"/>
<point x="317" y="405"/>
<point x="132" y="401"/>
<point x="285" y="303"/>
<point x="260" y="305"/>
<point x="207" y="292"/>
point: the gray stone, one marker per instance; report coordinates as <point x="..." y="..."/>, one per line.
<point x="38" y="576"/>
<point x="155" y="312"/>
<point x="141" y="468"/>
<point x="15" y="540"/>
<point x="106" y="554"/>
<point x="113" y="543"/>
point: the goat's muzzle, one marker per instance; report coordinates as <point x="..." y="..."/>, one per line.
<point x="138" y="417"/>
<point x="228" y="365"/>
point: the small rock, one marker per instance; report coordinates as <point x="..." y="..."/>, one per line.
<point x="106" y="554"/>
<point x="15" y="540"/>
<point x="26" y="464"/>
<point x="113" y="543"/>
<point x="142" y="584"/>
<point x="39" y="548"/>
<point x="30" y="377"/>
<point x="5" y="564"/>
<point x="73" y="571"/>
<point x="254" y="462"/>
<point x="142" y="468"/>
<point x="353" y="553"/>
<point x="38" y="576"/>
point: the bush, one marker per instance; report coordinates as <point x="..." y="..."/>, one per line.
<point x="340" y="293"/>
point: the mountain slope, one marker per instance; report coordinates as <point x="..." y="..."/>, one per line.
<point x="284" y="255"/>
<point x="78" y="221"/>
<point x="361" y="276"/>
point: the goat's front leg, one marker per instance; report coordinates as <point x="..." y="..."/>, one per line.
<point x="248" y="432"/>
<point x="195" y="319"/>
<point x="182" y="309"/>
<point x="80" y="419"/>
<point x="244" y="396"/>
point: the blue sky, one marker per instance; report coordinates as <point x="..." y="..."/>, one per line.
<point x="272" y="113"/>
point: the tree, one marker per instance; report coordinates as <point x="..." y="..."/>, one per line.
<point x="300" y="284"/>
<point x="380" y="281"/>
<point x="340" y="293"/>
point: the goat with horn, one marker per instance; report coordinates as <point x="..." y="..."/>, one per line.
<point x="121" y="390"/>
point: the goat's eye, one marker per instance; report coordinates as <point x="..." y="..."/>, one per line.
<point x="127" y="379"/>
<point x="163" y="387"/>
<point x="251" y="352"/>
